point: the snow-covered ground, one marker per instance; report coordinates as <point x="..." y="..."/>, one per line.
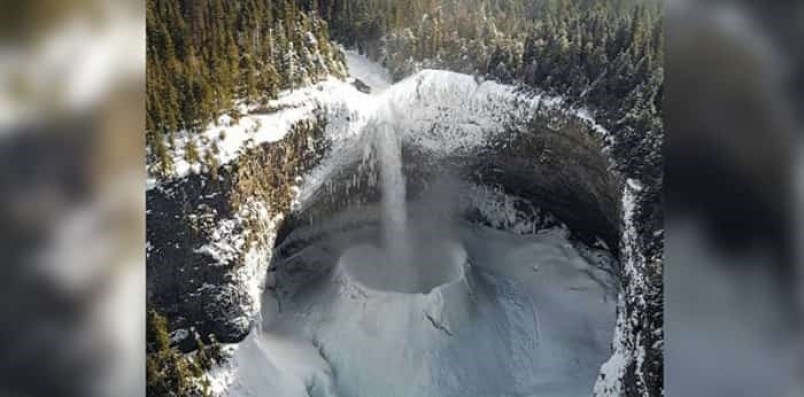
<point x="256" y="128"/>
<point x="529" y="315"/>
<point x="349" y="106"/>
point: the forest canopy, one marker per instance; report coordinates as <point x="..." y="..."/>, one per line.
<point x="207" y="57"/>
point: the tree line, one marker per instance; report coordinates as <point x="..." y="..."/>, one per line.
<point x="206" y="58"/>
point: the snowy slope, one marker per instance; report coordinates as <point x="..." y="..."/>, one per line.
<point x="255" y="128"/>
<point x="438" y="110"/>
<point x="348" y="106"/>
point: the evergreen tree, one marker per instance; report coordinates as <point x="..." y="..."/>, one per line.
<point x="205" y="57"/>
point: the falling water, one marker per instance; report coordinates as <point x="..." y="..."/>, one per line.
<point x="395" y="229"/>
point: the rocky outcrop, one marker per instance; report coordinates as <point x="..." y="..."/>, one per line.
<point x="189" y="287"/>
<point x="209" y="235"/>
<point x="551" y="159"/>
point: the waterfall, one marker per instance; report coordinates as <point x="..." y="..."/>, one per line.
<point x="395" y="218"/>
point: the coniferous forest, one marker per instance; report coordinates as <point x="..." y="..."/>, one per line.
<point x="206" y="57"/>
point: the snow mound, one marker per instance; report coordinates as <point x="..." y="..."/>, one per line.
<point x="364" y="266"/>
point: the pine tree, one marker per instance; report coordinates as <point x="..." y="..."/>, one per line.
<point x="290" y="64"/>
<point x="205" y="56"/>
<point x="191" y="152"/>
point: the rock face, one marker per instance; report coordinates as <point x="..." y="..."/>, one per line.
<point x="188" y="286"/>
<point x="560" y="169"/>
<point x="210" y="234"/>
<point x="361" y="86"/>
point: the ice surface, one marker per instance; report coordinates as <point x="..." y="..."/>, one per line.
<point x="526" y="315"/>
<point x="372" y="268"/>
